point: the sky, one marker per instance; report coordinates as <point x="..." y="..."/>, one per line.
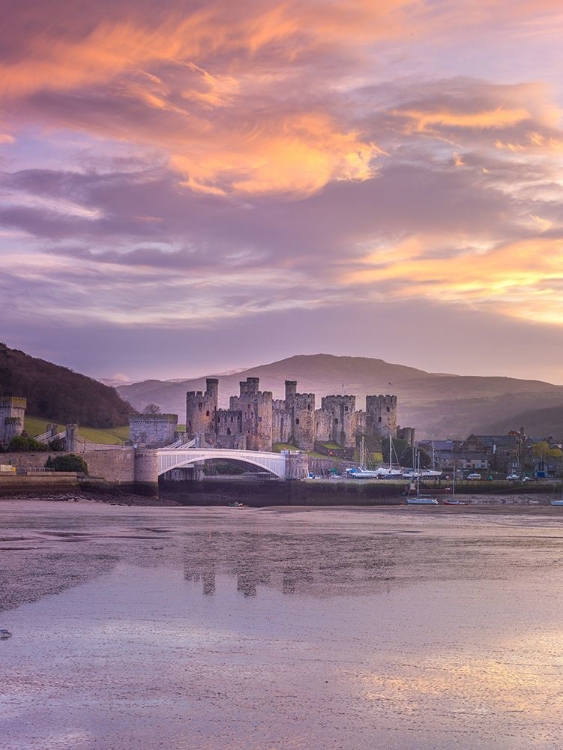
<point x="191" y="186"/>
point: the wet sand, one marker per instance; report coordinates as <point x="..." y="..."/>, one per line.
<point x="280" y="628"/>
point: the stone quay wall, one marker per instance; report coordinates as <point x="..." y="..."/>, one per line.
<point x="126" y="468"/>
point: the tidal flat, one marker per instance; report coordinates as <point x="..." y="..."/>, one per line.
<point x="242" y="628"/>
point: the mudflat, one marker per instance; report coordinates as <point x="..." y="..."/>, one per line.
<point x="232" y="628"/>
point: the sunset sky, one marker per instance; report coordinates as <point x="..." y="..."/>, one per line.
<point x="189" y="186"/>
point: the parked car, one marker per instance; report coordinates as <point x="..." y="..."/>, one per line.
<point x="474" y="476"/>
<point x="513" y="477"/>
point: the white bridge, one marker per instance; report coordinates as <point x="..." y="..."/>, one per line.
<point x="175" y="458"/>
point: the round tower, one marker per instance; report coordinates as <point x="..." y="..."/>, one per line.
<point x="201" y="409"/>
<point x="382" y="415"/>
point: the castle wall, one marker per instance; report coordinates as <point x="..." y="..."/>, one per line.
<point x="281" y="422"/>
<point x="153" y="429"/>
<point x="361" y="423"/>
<point x="228" y="425"/>
<point x="406" y="433"/>
<point x="323" y="425"/>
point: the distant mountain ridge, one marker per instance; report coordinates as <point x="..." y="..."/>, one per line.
<point x="437" y="404"/>
<point x="58" y="394"/>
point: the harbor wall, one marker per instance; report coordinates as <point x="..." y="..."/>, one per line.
<point x="262" y="493"/>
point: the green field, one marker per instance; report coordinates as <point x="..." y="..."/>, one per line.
<point x="279" y="447"/>
<point x="111" y="436"/>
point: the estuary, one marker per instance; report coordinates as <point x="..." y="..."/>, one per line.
<point x="241" y="628"/>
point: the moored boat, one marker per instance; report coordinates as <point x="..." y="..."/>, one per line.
<point x="422" y="501"/>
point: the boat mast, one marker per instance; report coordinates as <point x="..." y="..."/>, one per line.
<point x="417" y="472"/>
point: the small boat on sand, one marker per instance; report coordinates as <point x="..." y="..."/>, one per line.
<point x="421" y="500"/>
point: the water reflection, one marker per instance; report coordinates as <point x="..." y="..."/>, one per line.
<point x="319" y="564"/>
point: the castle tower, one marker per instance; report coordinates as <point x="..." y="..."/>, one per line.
<point x="201" y="409"/>
<point x="256" y="408"/>
<point x="290" y="390"/>
<point x="303" y="418"/>
<point x="249" y="387"/>
<point x="12" y="414"/>
<point x="381" y="415"/>
<point x="341" y="414"/>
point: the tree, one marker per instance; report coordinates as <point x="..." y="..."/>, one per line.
<point x="25" y="444"/>
<point x="544" y="449"/>
<point x="399" y="447"/>
<point x="69" y="462"/>
<point x="151" y="409"/>
<point x="57" y="444"/>
<point x="406" y="458"/>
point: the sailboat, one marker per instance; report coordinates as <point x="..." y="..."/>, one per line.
<point x="389" y="473"/>
<point x="452" y="500"/>
<point x="362" y="472"/>
<point x="420" y="499"/>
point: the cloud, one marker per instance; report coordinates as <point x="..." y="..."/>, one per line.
<point x="193" y="164"/>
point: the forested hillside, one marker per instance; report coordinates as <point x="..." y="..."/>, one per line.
<point x="59" y="394"/>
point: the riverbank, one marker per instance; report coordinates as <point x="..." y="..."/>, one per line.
<point x="107" y="498"/>
<point x="342" y="493"/>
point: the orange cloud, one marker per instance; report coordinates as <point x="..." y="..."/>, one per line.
<point x="496" y="118"/>
<point x="507" y="277"/>
<point x="300" y="154"/>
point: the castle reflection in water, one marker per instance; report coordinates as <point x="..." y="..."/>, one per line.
<point x="315" y="564"/>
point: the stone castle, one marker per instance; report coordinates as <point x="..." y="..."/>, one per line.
<point x="255" y="420"/>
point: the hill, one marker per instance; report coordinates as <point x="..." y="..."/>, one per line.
<point x="57" y="394"/>
<point x="437" y="404"/>
<point x="547" y="422"/>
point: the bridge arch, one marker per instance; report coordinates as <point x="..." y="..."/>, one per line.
<point x="275" y="463"/>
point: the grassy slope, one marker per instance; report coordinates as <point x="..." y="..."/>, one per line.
<point x="110" y="436"/>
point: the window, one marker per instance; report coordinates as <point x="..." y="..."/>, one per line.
<point x="345" y="408"/>
<point x="309" y="407"/>
<point x="388" y="409"/>
<point x="200" y="405"/>
<point x="336" y="421"/>
<point x="296" y="421"/>
<point x="259" y="419"/>
<point x="379" y="419"/>
<point x="228" y="430"/>
<point x="206" y="413"/>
